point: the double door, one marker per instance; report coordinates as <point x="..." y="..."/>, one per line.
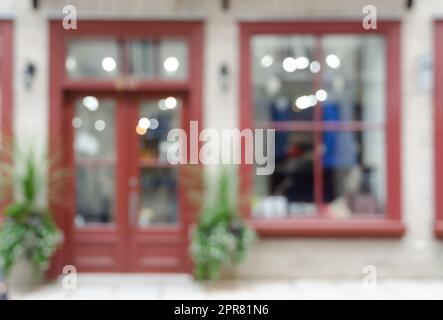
<point x="128" y="210"/>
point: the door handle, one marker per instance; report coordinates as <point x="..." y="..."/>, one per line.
<point x="133" y="201"/>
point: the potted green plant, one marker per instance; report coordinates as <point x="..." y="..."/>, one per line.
<point x="221" y="237"/>
<point x="28" y="233"/>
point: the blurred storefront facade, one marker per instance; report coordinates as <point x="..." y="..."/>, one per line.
<point x="356" y="118"/>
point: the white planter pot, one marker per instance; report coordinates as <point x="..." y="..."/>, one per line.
<point x="23" y="276"/>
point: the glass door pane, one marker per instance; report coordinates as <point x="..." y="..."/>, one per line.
<point x="158" y="178"/>
<point x="95" y="160"/>
<point x="158" y="196"/>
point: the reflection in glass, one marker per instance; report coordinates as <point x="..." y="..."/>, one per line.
<point x="334" y="80"/>
<point x="354" y="173"/>
<point x="289" y="191"/>
<point x="352" y="70"/>
<point x="165" y="59"/>
<point x="150" y="59"/>
<point x="92" y="58"/>
<point x="156" y="119"/>
<point x="158" y="197"/>
<point x="281" y="75"/>
<point x="354" y="78"/>
<point x="94" y="194"/>
<point x="94" y="148"/>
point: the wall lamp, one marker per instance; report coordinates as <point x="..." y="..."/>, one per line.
<point x="224" y="77"/>
<point x="35" y="4"/>
<point x="30" y="71"/>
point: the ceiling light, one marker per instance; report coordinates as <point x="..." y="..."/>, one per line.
<point x="312" y="100"/>
<point x="140" y="131"/>
<point x="76" y="122"/>
<point x="289" y="64"/>
<point x="70" y="63"/>
<point x="100" y="125"/>
<point x="267" y="61"/>
<point x="170" y="102"/>
<point x="303" y="102"/>
<point x="109" y="64"/>
<point x="333" y="61"/>
<point x="144" y="123"/>
<point x="321" y="95"/>
<point x="302" y="63"/>
<point x="315" y="67"/>
<point x="91" y="103"/>
<point x="171" y="64"/>
<point x="161" y="105"/>
<point x="154" y="124"/>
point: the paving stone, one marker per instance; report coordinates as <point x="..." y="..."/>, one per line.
<point x="176" y="287"/>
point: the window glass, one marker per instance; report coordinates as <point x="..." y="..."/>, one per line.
<point x="158" y="179"/>
<point x="93" y="58"/>
<point x="95" y="154"/>
<point x="281" y="74"/>
<point x="158" y="197"/>
<point x="289" y="191"/>
<point x="293" y="74"/>
<point x="354" y="172"/>
<point x="164" y="59"/>
<point x="353" y="78"/>
<point x="156" y="119"/>
<point x="327" y="82"/>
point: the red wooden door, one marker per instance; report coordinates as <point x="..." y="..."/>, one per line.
<point x="157" y="228"/>
<point x="128" y="207"/>
<point x="127" y="213"/>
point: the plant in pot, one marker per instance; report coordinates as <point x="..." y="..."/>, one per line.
<point x="220" y="238"/>
<point x="28" y="233"/>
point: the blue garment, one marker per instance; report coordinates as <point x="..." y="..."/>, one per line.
<point x="340" y="146"/>
<point x="280" y="111"/>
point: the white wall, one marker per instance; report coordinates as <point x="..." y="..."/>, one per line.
<point x="30" y="105"/>
<point x="417" y="254"/>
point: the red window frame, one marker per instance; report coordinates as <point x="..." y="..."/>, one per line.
<point x="438" y="127"/>
<point x="6" y="63"/>
<point x="6" y="77"/>
<point x="390" y="225"/>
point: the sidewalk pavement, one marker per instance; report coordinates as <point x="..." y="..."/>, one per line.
<point x="178" y="287"/>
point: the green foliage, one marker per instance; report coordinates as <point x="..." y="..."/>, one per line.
<point x="36" y="237"/>
<point x="221" y="236"/>
<point x="28" y="229"/>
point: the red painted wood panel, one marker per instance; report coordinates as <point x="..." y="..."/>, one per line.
<point x="6" y="80"/>
<point x="438" y="127"/>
